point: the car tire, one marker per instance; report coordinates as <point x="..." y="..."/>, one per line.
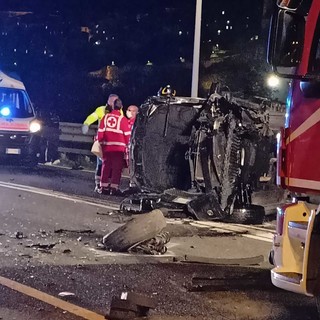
<point x="140" y="228"/>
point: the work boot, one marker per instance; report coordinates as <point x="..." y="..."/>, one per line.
<point x="98" y="189"/>
<point x="106" y="191"/>
<point x="116" y="192"/>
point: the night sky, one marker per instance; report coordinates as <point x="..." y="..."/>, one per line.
<point x="75" y="37"/>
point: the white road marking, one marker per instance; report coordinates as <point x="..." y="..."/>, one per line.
<point x="247" y="231"/>
<point x="55" y="194"/>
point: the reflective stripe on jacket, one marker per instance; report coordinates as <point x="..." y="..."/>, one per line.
<point x="114" y="132"/>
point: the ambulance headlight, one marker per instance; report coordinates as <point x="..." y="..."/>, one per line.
<point x="35" y="126"/>
<point x="5" y="111"/>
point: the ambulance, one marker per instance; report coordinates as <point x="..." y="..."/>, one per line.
<point x="20" y="130"/>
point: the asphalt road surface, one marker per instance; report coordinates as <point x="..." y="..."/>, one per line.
<point x="51" y="226"/>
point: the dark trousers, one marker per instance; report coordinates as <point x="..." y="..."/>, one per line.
<point x="112" y="166"/>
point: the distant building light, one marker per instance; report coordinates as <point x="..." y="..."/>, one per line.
<point x="104" y="31"/>
<point x="44" y="51"/>
<point x="223" y="12"/>
<point x="97" y="26"/>
<point x="98" y="42"/>
<point x="256" y="37"/>
<point x="248" y="18"/>
<point x="219" y="32"/>
<point x="112" y="38"/>
<point x="97" y="31"/>
<point x="230" y="27"/>
<point x="217" y="45"/>
<point x="46" y="27"/>
<point x="27" y="51"/>
<point x="112" y="63"/>
<point x="182" y="59"/>
<point x="209" y="40"/>
<point x="180" y="33"/>
<point x="14" y="50"/>
<point x="15" y="63"/>
<point x="228" y="21"/>
<point x="51" y="55"/>
<point x="149" y="63"/>
<point x="227" y="27"/>
<point x="107" y="38"/>
<point x="18" y="23"/>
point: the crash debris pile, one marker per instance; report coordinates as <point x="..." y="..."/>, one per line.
<point x="142" y="234"/>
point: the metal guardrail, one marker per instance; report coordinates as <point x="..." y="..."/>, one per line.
<point x="72" y="140"/>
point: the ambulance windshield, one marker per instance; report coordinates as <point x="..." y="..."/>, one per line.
<point x="15" y="103"/>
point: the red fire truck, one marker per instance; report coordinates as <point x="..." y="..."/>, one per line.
<point x="294" y="52"/>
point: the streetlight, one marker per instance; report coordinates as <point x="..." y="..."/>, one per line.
<point x="196" y="50"/>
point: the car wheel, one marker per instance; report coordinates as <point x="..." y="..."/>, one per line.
<point x="140" y="228"/>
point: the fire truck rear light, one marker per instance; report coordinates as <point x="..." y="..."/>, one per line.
<point x="280" y="220"/>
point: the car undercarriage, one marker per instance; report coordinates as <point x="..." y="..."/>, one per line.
<point x="203" y="155"/>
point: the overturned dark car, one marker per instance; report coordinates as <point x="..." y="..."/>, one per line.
<point x="204" y="154"/>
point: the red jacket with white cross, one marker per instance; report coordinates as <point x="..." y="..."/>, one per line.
<point x="114" y="132"/>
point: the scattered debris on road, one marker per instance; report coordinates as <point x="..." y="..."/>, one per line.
<point x="250" y="261"/>
<point x="19" y="235"/>
<point x="66" y="294"/>
<point x="250" y="280"/>
<point x="130" y="306"/>
<point x="74" y="231"/>
<point x="46" y="246"/>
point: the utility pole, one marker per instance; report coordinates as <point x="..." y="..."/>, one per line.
<point x="196" y="50"/>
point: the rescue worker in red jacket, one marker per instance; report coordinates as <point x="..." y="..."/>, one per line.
<point x="131" y="114"/>
<point x="113" y="135"/>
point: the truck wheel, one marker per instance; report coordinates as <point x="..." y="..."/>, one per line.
<point x="140" y="228"/>
<point x="251" y="214"/>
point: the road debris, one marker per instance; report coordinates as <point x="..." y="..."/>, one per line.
<point x="19" y="235"/>
<point x="66" y="294"/>
<point x="105" y="213"/>
<point x="42" y="246"/>
<point x="249" y="261"/>
<point x="130" y="306"/>
<point x="47" y="251"/>
<point x="137" y="230"/>
<point x="74" y="231"/>
<point x="248" y="280"/>
<point x="154" y="246"/>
